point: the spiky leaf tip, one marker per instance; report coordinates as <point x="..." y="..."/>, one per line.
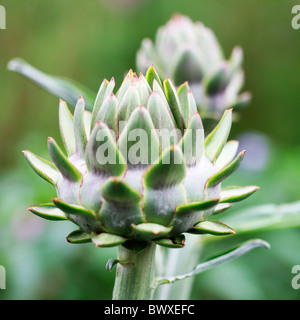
<point x="174" y="103"/>
<point x="168" y="172"/>
<point x="152" y="75"/>
<point x="117" y="190"/>
<point x="102" y="155"/>
<point x="196" y="206"/>
<point x="65" y="167"/>
<point x="79" y="128"/>
<point x="79" y="237"/>
<point x="216" y="140"/>
<point x="225" y="172"/>
<point x="44" y="168"/>
<point x="149" y="231"/>
<point x="66" y="128"/>
<point x="213" y="227"/>
<point x="48" y="211"/>
<point x="107" y="240"/>
<point x="221" y="207"/>
<point x="173" y="243"/>
<point x="235" y="194"/>
<point x="73" y="209"/>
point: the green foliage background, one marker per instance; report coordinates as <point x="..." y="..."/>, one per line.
<point x="91" y="40"/>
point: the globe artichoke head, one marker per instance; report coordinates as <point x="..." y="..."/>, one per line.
<point x="138" y="168"/>
<point x="188" y="51"/>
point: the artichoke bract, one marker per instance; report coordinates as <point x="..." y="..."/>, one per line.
<point x="139" y="168"/>
<point x="188" y="51"/>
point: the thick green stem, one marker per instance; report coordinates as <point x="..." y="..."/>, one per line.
<point x="135" y="274"/>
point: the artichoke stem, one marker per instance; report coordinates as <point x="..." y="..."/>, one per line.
<point x="135" y="277"/>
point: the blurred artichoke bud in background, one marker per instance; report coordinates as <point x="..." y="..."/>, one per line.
<point x="188" y="51"/>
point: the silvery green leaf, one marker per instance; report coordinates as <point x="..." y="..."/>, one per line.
<point x="265" y="217"/>
<point x="48" y="211"/>
<point x="107" y="240"/>
<point x="235" y="194"/>
<point x="216" y="140"/>
<point x="150" y="231"/>
<point x="65" y="89"/>
<point x="67" y="128"/>
<point x="65" y="167"/>
<point x="227" y="154"/>
<point x="79" y="128"/>
<point x="213" y="227"/>
<point x="226" y="171"/>
<point x="44" y="168"/>
<point x="79" y="237"/>
<point x="215" y="261"/>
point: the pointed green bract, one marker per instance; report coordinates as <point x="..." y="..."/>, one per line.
<point x="213" y="227"/>
<point x="235" y="194"/>
<point x="163" y="188"/>
<point x="187" y="102"/>
<point x="107" y="240"/>
<point x="152" y="75"/>
<point x="42" y="167"/>
<point x="125" y="85"/>
<point x="65" y="167"/>
<point x="174" y="103"/>
<point x="129" y="102"/>
<point x="192" y="104"/>
<point x="48" y="211"/>
<point x="221" y="207"/>
<point x="173" y="243"/>
<point x="73" y="209"/>
<point x="227" y="154"/>
<point x="117" y="190"/>
<point x="100" y="143"/>
<point x="138" y="141"/>
<point x="110" y="88"/>
<point x="196" y="206"/>
<point x="149" y="231"/>
<point x="79" y="128"/>
<point x="86" y="219"/>
<point x="225" y="172"/>
<point x="87" y="118"/>
<point x="182" y="95"/>
<point x="216" y="140"/>
<point x="168" y="172"/>
<point x="192" y="143"/>
<point x="79" y="237"/>
<point x="144" y="89"/>
<point x="67" y="128"/>
<point x="108" y="113"/>
<point x="99" y="100"/>
<point x="159" y="112"/>
<point x="120" y="207"/>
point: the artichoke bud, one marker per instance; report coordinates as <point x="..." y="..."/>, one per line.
<point x="139" y="168"/>
<point x="188" y="51"/>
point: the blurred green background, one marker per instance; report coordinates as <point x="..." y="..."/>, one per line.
<point x="91" y="40"/>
